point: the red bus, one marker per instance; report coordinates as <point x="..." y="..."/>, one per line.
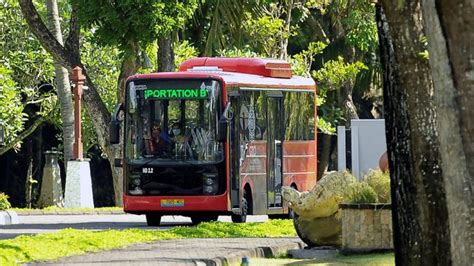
<point x="219" y="137"/>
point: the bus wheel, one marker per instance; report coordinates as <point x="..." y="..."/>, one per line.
<point x="153" y="219"/>
<point x="202" y="219"/>
<point x="246" y="202"/>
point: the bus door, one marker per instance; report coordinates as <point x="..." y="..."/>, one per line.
<point x="274" y="148"/>
<point x="234" y="150"/>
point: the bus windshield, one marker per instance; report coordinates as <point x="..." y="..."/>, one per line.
<point x="173" y="120"/>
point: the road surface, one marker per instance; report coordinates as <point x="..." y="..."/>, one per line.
<point x="36" y="224"/>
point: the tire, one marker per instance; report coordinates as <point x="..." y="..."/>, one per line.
<point x="203" y="219"/>
<point x="246" y="202"/>
<point x="153" y="219"/>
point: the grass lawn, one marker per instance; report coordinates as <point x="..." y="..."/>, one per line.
<point x="69" y="242"/>
<point x="368" y="259"/>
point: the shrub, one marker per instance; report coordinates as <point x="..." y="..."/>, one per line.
<point x="380" y="182"/>
<point x="375" y="188"/>
<point x="4" y="203"/>
<point x="361" y="192"/>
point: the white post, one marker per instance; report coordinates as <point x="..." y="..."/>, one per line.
<point x="341" y="148"/>
<point x="355" y="151"/>
<point x="78" y="185"/>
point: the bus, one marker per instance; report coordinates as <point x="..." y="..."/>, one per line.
<point x="221" y="136"/>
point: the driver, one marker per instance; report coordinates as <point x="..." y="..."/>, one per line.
<point x="158" y="143"/>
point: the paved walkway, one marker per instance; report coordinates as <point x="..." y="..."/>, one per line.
<point x="203" y="251"/>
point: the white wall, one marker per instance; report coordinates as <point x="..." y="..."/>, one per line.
<point x="368" y="144"/>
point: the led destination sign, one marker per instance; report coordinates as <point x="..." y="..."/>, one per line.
<point x="176" y="93"/>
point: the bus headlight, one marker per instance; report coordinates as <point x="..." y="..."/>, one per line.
<point x="209" y="182"/>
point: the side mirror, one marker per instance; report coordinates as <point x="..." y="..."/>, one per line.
<point x="114" y="132"/>
<point x="114" y="129"/>
<point x="222" y="130"/>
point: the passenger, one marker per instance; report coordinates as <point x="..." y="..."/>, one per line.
<point x="177" y="134"/>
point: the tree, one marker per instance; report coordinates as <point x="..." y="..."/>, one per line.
<point x="421" y="230"/>
<point x="24" y="70"/>
<point x="126" y="25"/>
<point x="63" y="87"/>
<point x="450" y="37"/>
<point x="68" y="56"/>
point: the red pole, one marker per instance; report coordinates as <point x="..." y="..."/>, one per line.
<point x="78" y="80"/>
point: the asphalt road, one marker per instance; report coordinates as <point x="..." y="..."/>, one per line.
<point x="36" y="224"/>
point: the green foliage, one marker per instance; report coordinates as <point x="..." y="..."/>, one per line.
<point x="183" y="51"/>
<point x="103" y="66"/>
<point x="302" y="61"/>
<point x="236" y="52"/>
<point x="321" y="5"/>
<point x="264" y="33"/>
<point x="361" y="192"/>
<point x="335" y="73"/>
<point x="380" y="182"/>
<point x="11" y="108"/>
<point x="361" y="25"/>
<point x="24" y="65"/>
<point x="374" y="188"/>
<point x="69" y="242"/>
<point x="4" y="203"/>
<point x="120" y="23"/>
<point x="332" y="76"/>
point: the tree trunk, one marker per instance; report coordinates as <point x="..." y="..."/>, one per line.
<point x="165" y="54"/>
<point x="451" y="38"/>
<point x="421" y="231"/>
<point x="346" y="102"/>
<point x="283" y="49"/>
<point x="129" y="66"/>
<point x="68" y="58"/>
<point x="323" y="164"/>
<point x="62" y="85"/>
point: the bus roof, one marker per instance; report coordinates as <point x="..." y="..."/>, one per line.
<point x="238" y="72"/>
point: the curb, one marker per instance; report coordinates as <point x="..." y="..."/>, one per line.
<point x="8" y="217"/>
<point x="66" y="212"/>
<point x="170" y="252"/>
<point x="260" y="252"/>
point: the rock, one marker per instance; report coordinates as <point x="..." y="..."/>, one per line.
<point x="317" y="220"/>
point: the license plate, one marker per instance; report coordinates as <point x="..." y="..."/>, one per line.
<point x="172" y="203"/>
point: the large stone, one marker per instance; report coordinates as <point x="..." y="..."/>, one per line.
<point x="317" y="219"/>
<point x="78" y="185"/>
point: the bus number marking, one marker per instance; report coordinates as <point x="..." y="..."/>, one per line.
<point x="147" y="170"/>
